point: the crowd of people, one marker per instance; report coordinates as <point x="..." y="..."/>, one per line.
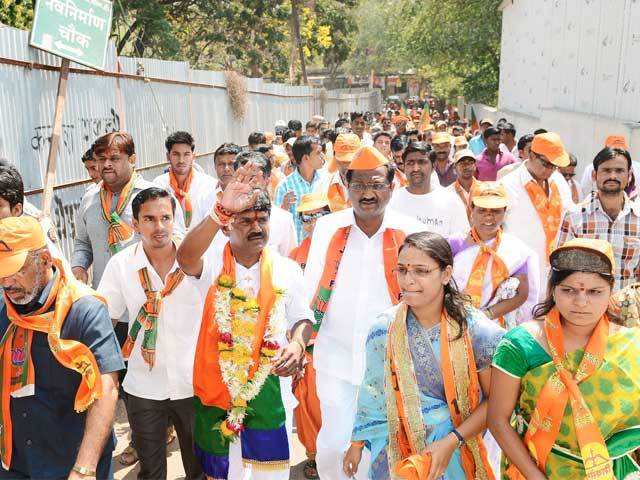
<point x="419" y="297"/>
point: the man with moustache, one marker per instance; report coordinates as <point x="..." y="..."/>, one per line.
<point x="346" y="145"/>
<point x="437" y="208"/>
<point x="145" y="279"/>
<point x="194" y="190"/>
<point x="350" y="274"/>
<point x="254" y="331"/>
<point x="60" y="361"/>
<point x="608" y="214"/>
<point x="223" y="160"/>
<point x="443" y="165"/>
<point x="465" y="164"/>
<point x="538" y="197"/>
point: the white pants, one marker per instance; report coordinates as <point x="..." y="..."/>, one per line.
<point x="237" y="471"/>
<point x="338" y="403"/>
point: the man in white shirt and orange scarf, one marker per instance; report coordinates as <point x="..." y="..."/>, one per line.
<point x="350" y="274"/>
<point x="344" y="148"/>
<point x="194" y="190"/>
<point x="538" y="197"/>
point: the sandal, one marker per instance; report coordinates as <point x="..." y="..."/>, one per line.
<point x="129" y="456"/>
<point x="310" y="470"/>
<point x="171" y="434"/>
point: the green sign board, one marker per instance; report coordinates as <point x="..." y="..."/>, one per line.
<point x="74" y="29"/>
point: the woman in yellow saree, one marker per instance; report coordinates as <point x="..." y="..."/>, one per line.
<point x="569" y="382"/>
<point x="421" y="406"/>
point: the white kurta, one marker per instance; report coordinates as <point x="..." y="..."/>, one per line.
<point x="202" y="193"/>
<point x="360" y="294"/>
<point x="522" y="219"/>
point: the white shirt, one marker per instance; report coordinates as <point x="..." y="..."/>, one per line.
<point x="360" y="294"/>
<point x="282" y="233"/>
<point x="202" y="193"/>
<point x="286" y="275"/>
<point x="439" y="210"/>
<point x="178" y="326"/>
<point x="522" y="219"/>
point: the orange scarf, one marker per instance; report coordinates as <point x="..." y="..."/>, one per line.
<point x="338" y="200"/>
<point x="549" y="210"/>
<point x="462" y="390"/>
<point x="118" y="231"/>
<point x="147" y="318"/>
<point x="562" y="387"/>
<point x="464" y="195"/>
<point x="182" y="194"/>
<point x="17" y="367"/>
<point x="301" y="252"/>
<point x="400" y="179"/>
<point x="499" y="271"/>
<point x="208" y="384"/>
<point x="391" y="242"/>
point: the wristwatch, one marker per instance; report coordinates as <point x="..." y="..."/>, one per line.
<point x="459" y="437"/>
<point x="84" y="471"/>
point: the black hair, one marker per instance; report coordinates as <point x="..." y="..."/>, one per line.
<point x="287" y="135"/>
<point x="555" y="278"/>
<point x="151" y="193"/>
<point x="509" y="128"/>
<point x="438" y="249"/>
<point x="382" y="134"/>
<point x="528" y="138"/>
<point x="490" y="131"/>
<point x="399" y="142"/>
<point x="256" y="138"/>
<point x="540" y="131"/>
<point x="391" y="173"/>
<point x="355" y="115"/>
<point x="255" y="157"/>
<point x="311" y="124"/>
<point x="261" y="204"/>
<point x="88" y="155"/>
<point x="226" y="149"/>
<point x="5" y="162"/>
<point x="294" y="125"/>
<point x="608" y="153"/>
<point x="263" y="148"/>
<point x="11" y="186"/>
<point x="340" y="122"/>
<point x="330" y="134"/>
<point x="414" y="147"/>
<point x="303" y="146"/>
<point x="177" y="138"/>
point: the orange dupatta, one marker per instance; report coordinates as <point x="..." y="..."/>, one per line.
<point x="337" y="198"/>
<point x="208" y="384"/>
<point x="301" y="252"/>
<point x="391" y="242"/>
<point x="499" y="271"/>
<point x="462" y="390"/>
<point x="118" y="231"/>
<point x="17" y="367"/>
<point x="562" y="387"/>
<point x="464" y="195"/>
<point x="549" y="210"/>
<point x="182" y="194"/>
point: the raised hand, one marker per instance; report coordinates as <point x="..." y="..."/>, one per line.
<point x="242" y="190"/>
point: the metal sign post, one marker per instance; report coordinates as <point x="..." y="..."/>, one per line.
<point x="76" y="30"/>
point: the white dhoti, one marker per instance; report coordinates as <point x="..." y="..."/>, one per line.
<point x="338" y="404"/>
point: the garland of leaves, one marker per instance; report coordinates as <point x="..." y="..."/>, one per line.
<point x="237" y="93"/>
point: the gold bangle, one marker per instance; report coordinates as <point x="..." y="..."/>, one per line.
<point x="85" y="472"/>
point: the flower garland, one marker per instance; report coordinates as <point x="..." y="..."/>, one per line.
<point x="236" y="318"/>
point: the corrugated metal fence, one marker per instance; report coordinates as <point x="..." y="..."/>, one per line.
<point x="149" y="98"/>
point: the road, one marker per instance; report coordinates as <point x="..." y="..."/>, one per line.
<point x="174" y="462"/>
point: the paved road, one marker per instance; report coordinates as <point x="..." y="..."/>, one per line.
<point x="174" y="462"/>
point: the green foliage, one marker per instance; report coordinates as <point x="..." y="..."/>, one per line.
<point x="16" y="13"/>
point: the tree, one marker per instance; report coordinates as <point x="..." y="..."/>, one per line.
<point x="17" y="13"/>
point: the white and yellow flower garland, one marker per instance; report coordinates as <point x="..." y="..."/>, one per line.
<point x="236" y="319"/>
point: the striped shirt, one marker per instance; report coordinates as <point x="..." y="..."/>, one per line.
<point x="299" y="186"/>
<point x="589" y="220"/>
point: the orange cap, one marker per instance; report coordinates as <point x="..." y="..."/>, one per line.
<point x="441" y="137"/>
<point x="18" y="236"/>
<point x="347" y="144"/>
<point x="488" y="195"/>
<point x="550" y="145"/>
<point x="597" y="245"/>
<point x="368" y="158"/>
<point x="616" y="141"/>
<point x="312" y="201"/>
<point x="400" y="118"/>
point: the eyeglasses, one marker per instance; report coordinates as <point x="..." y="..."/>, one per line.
<point x="544" y="164"/>
<point x="363" y="187"/>
<point x="309" y="217"/>
<point x="417" y="272"/>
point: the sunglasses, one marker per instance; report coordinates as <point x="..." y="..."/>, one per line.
<point x="309" y="217"/>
